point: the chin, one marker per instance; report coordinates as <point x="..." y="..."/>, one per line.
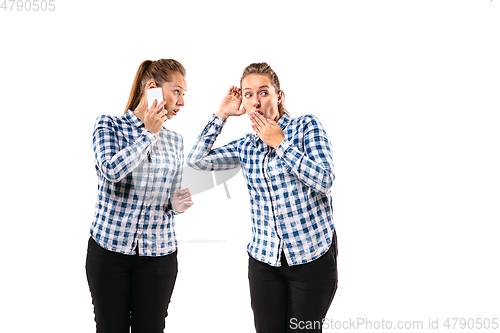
<point x="268" y="116"/>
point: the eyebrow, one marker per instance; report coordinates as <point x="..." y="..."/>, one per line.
<point x="264" y="86"/>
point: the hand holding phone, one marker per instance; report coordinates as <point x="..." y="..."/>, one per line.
<point x="154" y="118"/>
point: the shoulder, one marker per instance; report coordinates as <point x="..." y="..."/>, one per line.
<point x="109" y="121"/>
<point x="110" y="126"/>
<point x="308" y="120"/>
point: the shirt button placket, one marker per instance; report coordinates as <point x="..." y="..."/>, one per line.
<point x="151" y="178"/>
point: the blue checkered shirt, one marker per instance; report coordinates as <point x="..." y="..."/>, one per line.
<point x="289" y="187"/>
<point x="137" y="173"/>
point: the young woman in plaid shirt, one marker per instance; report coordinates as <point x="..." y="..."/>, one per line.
<point x="132" y="260"/>
<point x="289" y="171"/>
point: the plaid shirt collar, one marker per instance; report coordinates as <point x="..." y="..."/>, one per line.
<point x="282" y="122"/>
<point x="133" y="119"/>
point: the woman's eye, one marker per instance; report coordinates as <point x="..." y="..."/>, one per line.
<point x="248" y="95"/>
<point x="176" y="92"/>
<point x="264" y="93"/>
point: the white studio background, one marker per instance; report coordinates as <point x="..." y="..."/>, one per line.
<point x="408" y="92"/>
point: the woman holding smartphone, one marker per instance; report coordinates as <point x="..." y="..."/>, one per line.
<point x="131" y="259"/>
<point x="288" y="166"/>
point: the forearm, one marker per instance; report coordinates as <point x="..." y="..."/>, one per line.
<point x="221" y="114"/>
<point x="318" y="176"/>
<point x="203" y="157"/>
<point x="312" y="162"/>
<point x="115" y="164"/>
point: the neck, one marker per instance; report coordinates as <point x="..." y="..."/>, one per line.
<point x="140" y="110"/>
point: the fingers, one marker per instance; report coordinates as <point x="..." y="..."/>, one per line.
<point x="154" y="105"/>
<point x="159" y="108"/>
<point x="242" y="111"/>
<point x="267" y="129"/>
<point x="183" y="199"/>
<point x="157" y="111"/>
<point x="235" y="92"/>
<point x="230" y="105"/>
<point x="155" y="116"/>
<point x="182" y="194"/>
<point x="258" y="120"/>
<point x="188" y="203"/>
<point x="161" y="112"/>
<point x="255" y="123"/>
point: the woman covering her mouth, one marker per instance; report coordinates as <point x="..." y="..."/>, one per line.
<point x="132" y="252"/>
<point x="288" y="166"/>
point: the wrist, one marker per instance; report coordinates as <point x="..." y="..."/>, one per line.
<point x="277" y="145"/>
<point x="149" y="128"/>
<point x="174" y="209"/>
<point x="150" y="133"/>
<point x="155" y="133"/>
<point x="221" y="114"/>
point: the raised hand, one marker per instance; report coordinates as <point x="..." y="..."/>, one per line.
<point x="153" y="120"/>
<point x="230" y="105"/>
<point x="268" y="130"/>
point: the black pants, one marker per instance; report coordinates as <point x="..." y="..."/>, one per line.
<point x="129" y="291"/>
<point x="293" y="298"/>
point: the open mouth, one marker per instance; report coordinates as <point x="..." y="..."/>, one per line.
<point x="175" y="112"/>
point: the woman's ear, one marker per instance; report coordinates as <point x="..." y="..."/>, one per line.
<point x="281" y="96"/>
<point x="151" y="84"/>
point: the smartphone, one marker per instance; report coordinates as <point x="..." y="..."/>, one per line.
<point x="154" y="93"/>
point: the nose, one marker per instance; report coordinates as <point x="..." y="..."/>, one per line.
<point x="256" y="103"/>
<point x="180" y="101"/>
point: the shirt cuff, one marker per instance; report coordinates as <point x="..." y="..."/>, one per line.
<point x="150" y="135"/>
<point x="214" y="125"/>
<point x="218" y="120"/>
<point x="284" y="146"/>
